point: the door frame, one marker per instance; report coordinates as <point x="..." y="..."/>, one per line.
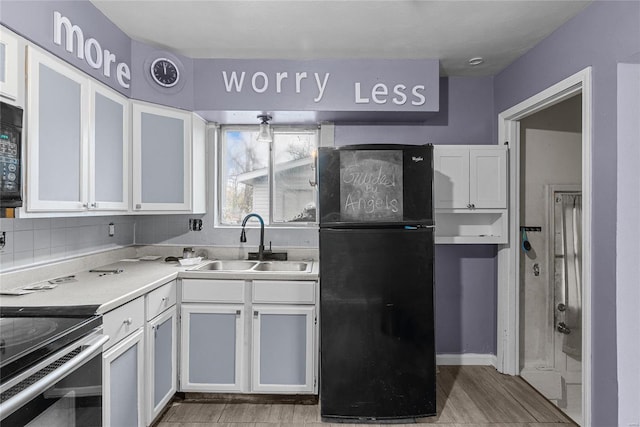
<point x="508" y="322"/>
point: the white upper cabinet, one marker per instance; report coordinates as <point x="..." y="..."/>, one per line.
<point x="471" y="178"/>
<point x="57" y="131"/>
<point x="488" y="178"/>
<point x="470" y="193"/>
<point x="168" y="152"/>
<point x="108" y="150"/>
<point x="9" y="63"/>
<point x="77" y="140"/>
<point x="451" y="178"/>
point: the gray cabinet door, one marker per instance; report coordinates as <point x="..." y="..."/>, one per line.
<point x="56" y="130"/>
<point x="122" y="384"/>
<point x="212" y="344"/>
<point x="283" y="343"/>
<point x="162" y="368"/>
<point x="109" y="159"/>
<point x="162" y="158"/>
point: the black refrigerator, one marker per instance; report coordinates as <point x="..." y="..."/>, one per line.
<point x="376" y="282"/>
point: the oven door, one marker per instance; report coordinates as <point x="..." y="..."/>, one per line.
<point x="63" y="390"/>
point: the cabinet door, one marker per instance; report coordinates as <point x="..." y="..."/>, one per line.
<point x="123" y="369"/>
<point x="161" y="362"/>
<point x="56" y="129"/>
<point x="451" y="177"/>
<point x="161" y="159"/>
<point x="8" y="64"/>
<point x="283" y="349"/>
<point x="488" y="178"/>
<point x="108" y="150"/>
<point x="211" y="347"/>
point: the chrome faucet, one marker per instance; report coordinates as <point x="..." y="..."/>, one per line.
<point x="243" y="234"/>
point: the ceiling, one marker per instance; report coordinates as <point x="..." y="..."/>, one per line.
<point x="449" y="30"/>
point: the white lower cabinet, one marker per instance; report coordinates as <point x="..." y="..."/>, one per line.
<point x="283" y="349"/>
<point x="140" y="359"/>
<point x="271" y="349"/>
<point x="123" y="386"/>
<point x="161" y="362"/>
<point x="212" y="347"/>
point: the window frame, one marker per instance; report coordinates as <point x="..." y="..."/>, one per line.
<point x="220" y="179"/>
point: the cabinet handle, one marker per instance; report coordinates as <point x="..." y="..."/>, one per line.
<point x="94" y="205"/>
<point x="164" y="301"/>
<point x="138" y="206"/>
<point x="473" y="206"/>
<point x="85" y="205"/>
<point x="128" y="321"/>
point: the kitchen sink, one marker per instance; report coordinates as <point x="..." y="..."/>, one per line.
<point x="256" y="266"/>
<point x="227" y="265"/>
<point x="283" y="266"/>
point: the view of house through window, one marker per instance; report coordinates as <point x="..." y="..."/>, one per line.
<point x="277" y="184"/>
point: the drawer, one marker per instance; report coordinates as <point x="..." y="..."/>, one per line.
<point x="208" y="290"/>
<point x="281" y="291"/>
<point x="161" y="299"/>
<point x="124" y="320"/>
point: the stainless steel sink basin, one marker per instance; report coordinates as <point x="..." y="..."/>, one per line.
<point x="227" y="265"/>
<point x="256" y="266"/>
<point x="283" y="266"/>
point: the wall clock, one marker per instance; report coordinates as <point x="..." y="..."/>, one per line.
<point x="165" y="72"/>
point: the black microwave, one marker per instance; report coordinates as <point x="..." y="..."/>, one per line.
<point x="10" y="156"/>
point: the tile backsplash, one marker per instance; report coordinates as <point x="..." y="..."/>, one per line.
<point x="35" y="241"/>
<point x="38" y="240"/>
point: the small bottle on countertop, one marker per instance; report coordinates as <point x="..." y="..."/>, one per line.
<point x="188" y="253"/>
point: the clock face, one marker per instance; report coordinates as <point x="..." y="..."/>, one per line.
<point x="165" y="72"/>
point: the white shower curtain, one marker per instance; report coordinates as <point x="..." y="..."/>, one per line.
<point x="572" y="238"/>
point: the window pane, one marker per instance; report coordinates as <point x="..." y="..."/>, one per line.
<point x="245" y="176"/>
<point x="295" y="198"/>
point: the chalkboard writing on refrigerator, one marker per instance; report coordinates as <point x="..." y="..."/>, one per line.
<point x="371" y="186"/>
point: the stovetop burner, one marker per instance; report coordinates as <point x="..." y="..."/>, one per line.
<point x="27" y="335"/>
<point x="16" y="331"/>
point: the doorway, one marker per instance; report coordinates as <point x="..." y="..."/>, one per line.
<point x="511" y="350"/>
<point x="550" y="256"/>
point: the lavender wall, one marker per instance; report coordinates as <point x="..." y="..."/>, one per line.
<point x="628" y="244"/>
<point x="34" y="21"/>
<point x="465" y="117"/>
<point x="604" y="34"/>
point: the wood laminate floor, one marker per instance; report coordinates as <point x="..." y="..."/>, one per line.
<point x="466" y="396"/>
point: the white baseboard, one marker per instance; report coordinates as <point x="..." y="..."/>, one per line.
<point x="467" y="359"/>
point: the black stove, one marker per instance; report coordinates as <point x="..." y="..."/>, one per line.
<point x="30" y="334"/>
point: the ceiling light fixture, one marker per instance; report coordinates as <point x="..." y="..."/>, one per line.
<point x="476" y="61"/>
<point x="264" y="134"/>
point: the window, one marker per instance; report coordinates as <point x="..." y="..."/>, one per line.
<point x="275" y="181"/>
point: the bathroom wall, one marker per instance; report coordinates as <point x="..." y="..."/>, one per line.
<point x="551" y="153"/>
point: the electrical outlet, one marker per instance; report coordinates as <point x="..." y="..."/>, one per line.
<point x="3" y="239"/>
<point x="195" y="224"/>
<point x="112" y="229"/>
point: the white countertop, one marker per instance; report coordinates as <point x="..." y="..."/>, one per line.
<point x="109" y="291"/>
